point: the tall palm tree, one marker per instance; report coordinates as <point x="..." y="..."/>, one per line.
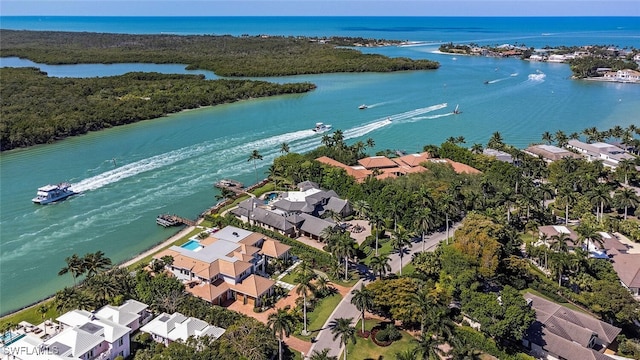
<point x="626" y="198"/>
<point x="568" y="196"/>
<point x="600" y="196"/>
<point x="448" y="206"/>
<point x="281" y="322"/>
<point x="341" y="327"/>
<point x="363" y="301"/>
<point x="561" y="138"/>
<point x="344" y="247"/>
<point x="425" y="220"/>
<point x="429" y="346"/>
<point x="626" y="167"/>
<point x="370" y="143"/>
<point x="476" y="148"/>
<point x="375" y="219"/>
<point x="305" y="287"/>
<point x="75" y="266"/>
<point x="547" y="137"/>
<point x="424" y="301"/>
<point x="95" y="263"/>
<point x="401" y="239"/>
<point x="560" y="242"/>
<point x="284" y="148"/>
<point x="255" y="155"/>
<point x="379" y="264"/>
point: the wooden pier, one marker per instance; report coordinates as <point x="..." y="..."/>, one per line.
<point x="167" y="220"/>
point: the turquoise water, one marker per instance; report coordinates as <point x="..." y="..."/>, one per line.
<point x="9" y="338"/>
<point x="169" y="165"/>
<point x="191" y="245"/>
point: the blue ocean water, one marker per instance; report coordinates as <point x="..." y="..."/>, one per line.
<point x="132" y="173"/>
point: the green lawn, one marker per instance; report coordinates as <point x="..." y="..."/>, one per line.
<point x="317" y="318"/>
<point x="146" y="260"/>
<point x="31" y="315"/>
<point x="368" y="350"/>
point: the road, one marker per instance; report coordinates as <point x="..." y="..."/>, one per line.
<point x="345" y="309"/>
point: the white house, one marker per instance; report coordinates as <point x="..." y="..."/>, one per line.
<point x="131" y="314"/>
<point x="166" y="328"/>
<point x="610" y="155"/>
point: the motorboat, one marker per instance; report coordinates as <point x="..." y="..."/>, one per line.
<point x="456" y="111"/>
<point x="362" y="107"/>
<point x="321" y="127"/>
<point x="52" y="193"/>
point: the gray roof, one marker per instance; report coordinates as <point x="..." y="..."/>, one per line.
<point x="272" y="219"/>
<point x="304" y="185"/>
<point x="338" y="205"/>
<point x="562" y="331"/>
<point x="314" y="225"/>
<point x="287" y="205"/>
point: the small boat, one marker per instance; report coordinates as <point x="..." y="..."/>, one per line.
<point x="362" y="107"/>
<point x="486" y="82"/>
<point x="456" y="111"/>
<point x="321" y="127"/>
<point x="52" y="193"/>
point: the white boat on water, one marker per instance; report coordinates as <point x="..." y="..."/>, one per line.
<point x="52" y="193"/>
<point x="321" y="127"/>
<point x="362" y="107"/>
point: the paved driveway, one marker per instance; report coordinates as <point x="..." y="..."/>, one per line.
<point x="345" y="309"/>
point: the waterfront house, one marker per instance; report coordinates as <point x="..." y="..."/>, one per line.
<point x="166" y="328"/>
<point x="458" y="167"/>
<point x="550" y="153"/>
<point x="551" y="231"/>
<point x="131" y="314"/>
<point x="561" y="333"/>
<point x="625" y="75"/>
<point x="284" y="214"/>
<point x="609" y="154"/>
<point x="498" y="155"/>
<point x="226" y="265"/>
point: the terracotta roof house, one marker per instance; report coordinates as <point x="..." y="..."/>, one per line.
<point x="216" y="268"/>
<point x="360" y="173"/>
<point x="166" y="328"/>
<point x="412" y="160"/>
<point x="550" y="153"/>
<point x="561" y="333"/>
<point x="459" y="168"/>
<point x="377" y="162"/>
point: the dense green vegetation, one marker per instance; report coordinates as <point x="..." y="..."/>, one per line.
<point x="225" y="55"/>
<point x="585" y="67"/>
<point x="36" y="109"/>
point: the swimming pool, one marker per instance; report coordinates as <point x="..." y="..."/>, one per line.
<point x="192" y="245"/>
<point x="9" y="337"/>
<point x="270" y="197"/>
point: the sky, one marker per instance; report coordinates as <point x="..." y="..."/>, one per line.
<point x="320" y="8"/>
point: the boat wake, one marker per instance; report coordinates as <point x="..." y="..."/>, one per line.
<point x="539" y="77"/>
<point x="431" y="117"/>
<point x="498" y="80"/>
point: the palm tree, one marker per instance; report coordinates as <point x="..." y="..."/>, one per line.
<point x="255" y="155"/>
<point x="400" y="239"/>
<point x="102" y="287"/>
<point x="425" y="219"/>
<point x="322" y="355"/>
<point x="568" y="196"/>
<point x="496" y="141"/>
<point x="374" y="220"/>
<point x="586" y="234"/>
<point x="42" y="310"/>
<point x="362" y="208"/>
<point x="448" y="206"/>
<point x="341" y="327"/>
<point x="625" y="167"/>
<point x="406" y="354"/>
<point x="548" y="137"/>
<point x="379" y="264"/>
<point x="95" y="263"/>
<point x="370" y="143"/>
<point x="305" y="287"/>
<point x="462" y="351"/>
<point x="626" y="198"/>
<point x="600" y="196"/>
<point x="429" y="346"/>
<point x="284" y="148"/>
<point x="561" y="138"/>
<point x="560" y="244"/>
<point x="281" y="322"/>
<point x="476" y="148"/>
<point x="326" y="140"/>
<point x="75" y="266"/>
<point x="323" y="286"/>
<point x="363" y="301"/>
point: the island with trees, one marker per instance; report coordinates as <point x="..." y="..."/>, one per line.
<point x="37" y="109"/>
<point x="587" y="62"/>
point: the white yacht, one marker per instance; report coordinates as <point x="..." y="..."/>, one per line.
<point x="52" y="193"/>
<point x="321" y="127"/>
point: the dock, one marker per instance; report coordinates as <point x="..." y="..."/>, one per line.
<point x="232" y="185"/>
<point x="168" y="220"/>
